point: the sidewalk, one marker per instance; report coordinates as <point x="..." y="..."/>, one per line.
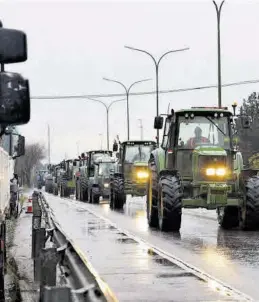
<point x="19" y="253"/>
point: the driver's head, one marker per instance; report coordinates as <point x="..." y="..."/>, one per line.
<point x="198" y="131"/>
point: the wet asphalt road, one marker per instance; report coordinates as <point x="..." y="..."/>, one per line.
<point x="231" y="256"/>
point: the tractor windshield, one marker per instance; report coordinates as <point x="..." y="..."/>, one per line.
<point x="203" y="131"/>
<point x="104" y="169"/>
<point x="137" y="152"/>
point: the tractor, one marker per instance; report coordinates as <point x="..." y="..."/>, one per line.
<point x="201" y="170"/>
<point x="86" y="172"/>
<point x="131" y="171"/>
<point x="41" y="174"/>
<point x="99" y="184"/>
<point x="67" y="181"/>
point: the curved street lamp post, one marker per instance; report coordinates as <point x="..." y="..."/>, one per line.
<point x="157" y="62"/>
<point x="218" y="10"/>
<point x="107" y="107"/>
<point x="127" y="91"/>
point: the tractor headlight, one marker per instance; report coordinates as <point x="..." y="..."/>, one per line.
<point x="142" y="174"/>
<point x="216" y="171"/>
<point x="106" y="185"/>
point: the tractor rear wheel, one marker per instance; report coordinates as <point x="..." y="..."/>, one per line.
<point x="83" y="190"/>
<point x="118" y="191"/>
<point x="228" y="217"/>
<point x="111" y="195"/>
<point x="170" y="203"/>
<point x="250" y="213"/>
<point x="152" y="196"/>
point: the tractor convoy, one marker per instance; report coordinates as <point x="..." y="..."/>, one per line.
<point x="197" y="165"/>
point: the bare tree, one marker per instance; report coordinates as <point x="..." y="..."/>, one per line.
<point x="25" y="165"/>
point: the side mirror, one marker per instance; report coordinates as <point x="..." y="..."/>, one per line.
<point x="13" y="46"/>
<point x="245" y="122"/>
<point x="15" y="99"/>
<point x="158" y="122"/>
<point x="115" y="147"/>
<point x="83" y="155"/>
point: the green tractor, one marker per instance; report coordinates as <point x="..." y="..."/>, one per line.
<point x="130" y="172"/>
<point x="84" y="190"/>
<point x="67" y="181"/>
<point x="198" y="166"/>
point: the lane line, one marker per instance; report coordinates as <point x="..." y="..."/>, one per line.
<point x="214" y="283"/>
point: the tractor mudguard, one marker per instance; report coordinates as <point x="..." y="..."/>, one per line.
<point x="159" y="156"/>
<point x="168" y="172"/>
<point x="117" y="174"/>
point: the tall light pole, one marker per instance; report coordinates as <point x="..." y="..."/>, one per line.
<point x="107" y="107"/>
<point x="141" y="129"/>
<point x="77" y="146"/>
<point x="218" y="10"/>
<point x="101" y="139"/>
<point x="48" y="144"/>
<point x="157" y="62"/>
<point x="127" y="91"/>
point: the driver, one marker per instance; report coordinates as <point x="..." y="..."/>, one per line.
<point x="198" y="138"/>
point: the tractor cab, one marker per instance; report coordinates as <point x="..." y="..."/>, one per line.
<point x="198" y="142"/>
<point x="92" y="157"/>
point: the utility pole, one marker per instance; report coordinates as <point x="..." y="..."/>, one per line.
<point x="49" y="144"/>
<point x="77" y="146"/>
<point x="101" y="138"/>
<point x="141" y="129"/>
<point x="218" y="10"/>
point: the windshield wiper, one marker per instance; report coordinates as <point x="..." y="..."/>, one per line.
<point x="215" y="125"/>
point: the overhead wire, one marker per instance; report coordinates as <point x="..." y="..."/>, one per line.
<point x="110" y="95"/>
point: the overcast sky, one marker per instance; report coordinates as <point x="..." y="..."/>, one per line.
<point x="73" y="45"/>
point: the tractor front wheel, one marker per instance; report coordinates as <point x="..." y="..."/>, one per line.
<point x="228" y="217"/>
<point x="95" y="195"/>
<point x="119" y="196"/>
<point x="170" y="203"/>
<point x="250" y="213"/>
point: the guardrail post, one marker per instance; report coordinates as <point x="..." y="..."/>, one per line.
<point x="48" y="265"/>
<point x="56" y="294"/>
<point x="39" y="244"/>
<point x="36" y="220"/>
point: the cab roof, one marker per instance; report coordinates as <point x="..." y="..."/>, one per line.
<point x="203" y="110"/>
<point x="132" y="142"/>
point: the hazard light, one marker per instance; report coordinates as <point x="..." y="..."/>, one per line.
<point x="222" y="108"/>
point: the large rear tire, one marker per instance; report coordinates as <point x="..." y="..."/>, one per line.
<point x="118" y="193"/>
<point x="83" y="190"/>
<point x="250" y="213"/>
<point x="170" y="203"/>
<point x="152" y="196"/>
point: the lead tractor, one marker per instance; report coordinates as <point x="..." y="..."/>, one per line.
<point x="198" y="166"/>
<point x="130" y="171"/>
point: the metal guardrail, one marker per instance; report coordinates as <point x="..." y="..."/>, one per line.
<point x="51" y="249"/>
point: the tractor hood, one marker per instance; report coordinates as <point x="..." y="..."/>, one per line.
<point x="140" y="164"/>
<point x="210" y="150"/>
